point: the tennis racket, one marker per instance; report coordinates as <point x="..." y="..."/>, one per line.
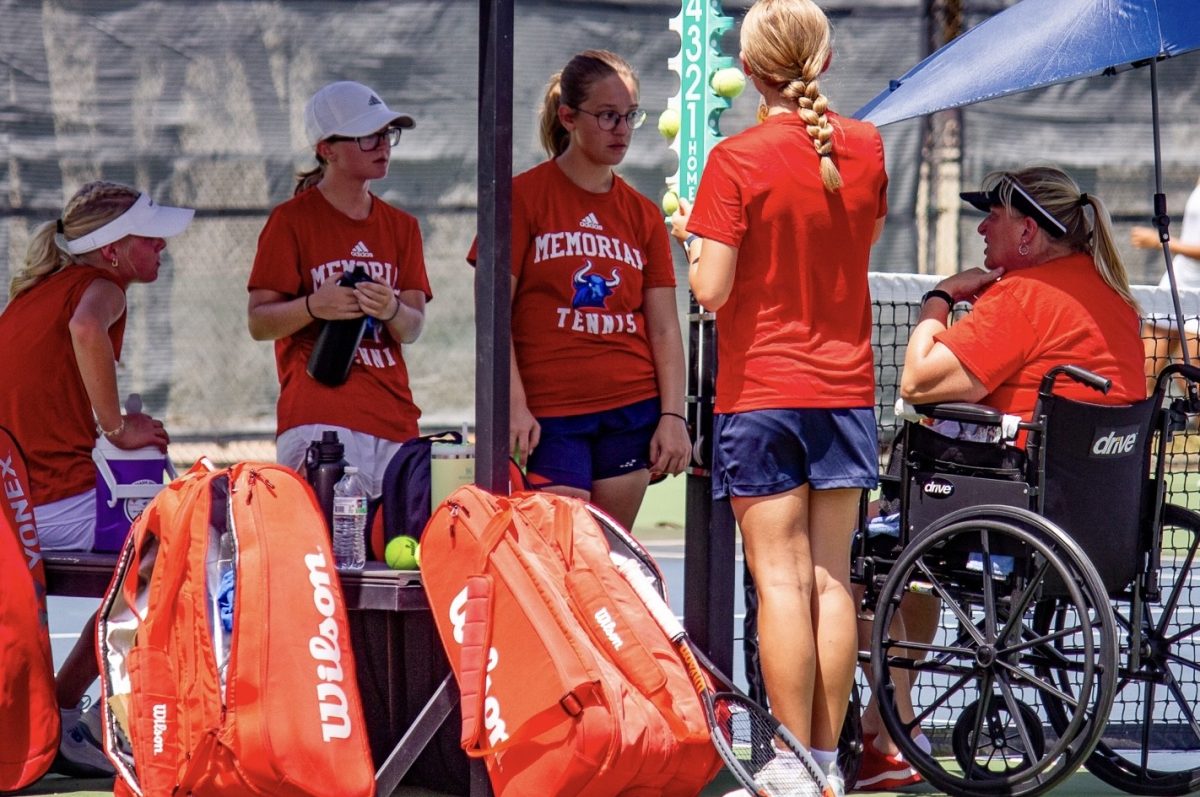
<point x="762" y="754"/>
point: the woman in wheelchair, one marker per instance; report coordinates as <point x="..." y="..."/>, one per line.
<point x="1052" y="291"/>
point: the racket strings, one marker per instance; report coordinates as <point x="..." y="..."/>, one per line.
<point x="763" y="754"/>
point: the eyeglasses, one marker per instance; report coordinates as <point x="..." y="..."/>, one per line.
<point x="371" y="141"/>
<point x="607" y="120"/>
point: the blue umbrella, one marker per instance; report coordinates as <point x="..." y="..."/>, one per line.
<point x="1037" y="43"/>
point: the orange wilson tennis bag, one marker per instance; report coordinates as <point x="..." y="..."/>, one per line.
<point x="568" y="685"/>
<point x="225" y="654"/>
<point x="29" y="718"/>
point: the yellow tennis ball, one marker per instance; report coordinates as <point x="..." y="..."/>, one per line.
<point x="728" y="82"/>
<point x="401" y="553"/>
<point x="670" y="203"/>
<point x="417" y="555"/>
<point x="668" y="124"/>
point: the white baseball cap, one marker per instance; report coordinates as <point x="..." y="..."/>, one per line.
<point x="348" y="109"/>
<point x="144" y="218"/>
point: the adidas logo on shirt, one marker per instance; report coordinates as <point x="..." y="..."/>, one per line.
<point x="360" y="250"/>
<point x="591" y="222"/>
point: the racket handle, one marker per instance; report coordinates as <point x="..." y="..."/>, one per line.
<point x="659" y="609"/>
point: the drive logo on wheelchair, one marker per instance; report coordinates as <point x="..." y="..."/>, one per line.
<point x="1116" y="443"/>
<point x="938" y="488"/>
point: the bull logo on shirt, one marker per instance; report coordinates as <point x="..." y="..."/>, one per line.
<point x="592" y="290"/>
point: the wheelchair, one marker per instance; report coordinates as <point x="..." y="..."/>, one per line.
<point x="1072" y="638"/>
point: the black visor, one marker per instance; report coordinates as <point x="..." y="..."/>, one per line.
<point x="1022" y="200"/>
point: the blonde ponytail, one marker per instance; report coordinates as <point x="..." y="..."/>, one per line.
<point x="90" y="208"/>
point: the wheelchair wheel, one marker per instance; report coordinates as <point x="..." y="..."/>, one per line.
<point x="1151" y="744"/>
<point x="850" y="743"/>
<point x="989" y="565"/>
<point x="987" y="743"/>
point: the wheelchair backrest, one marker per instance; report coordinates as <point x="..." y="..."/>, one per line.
<point x="1095" y="479"/>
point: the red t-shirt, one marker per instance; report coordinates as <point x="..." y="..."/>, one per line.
<point x="307" y="241"/>
<point x="43" y="402"/>
<point x="582" y="263"/>
<point x="1056" y="313"/>
<point x="796" y="329"/>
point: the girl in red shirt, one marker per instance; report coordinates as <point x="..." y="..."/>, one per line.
<point x="788" y="210"/>
<point x="597" y="355"/>
<point x="62" y="331"/>
<point x="333" y="225"/>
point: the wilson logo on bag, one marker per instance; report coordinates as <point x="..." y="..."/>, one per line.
<point x="225" y="658"/>
<point x="568" y="685"/>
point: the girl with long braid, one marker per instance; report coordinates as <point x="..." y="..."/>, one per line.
<point x="778" y="245"/>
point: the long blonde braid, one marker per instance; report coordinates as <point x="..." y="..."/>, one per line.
<point x="786" y="43"/>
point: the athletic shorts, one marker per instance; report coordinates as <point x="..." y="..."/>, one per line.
<point x="767" y="452"/>
<point x="68" y="524"/>
<point x="576" y="450"/>
<point x="368" y="453"/>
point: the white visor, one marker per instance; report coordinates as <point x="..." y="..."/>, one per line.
<point x="143" y="218"/>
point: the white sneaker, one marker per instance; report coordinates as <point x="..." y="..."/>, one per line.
<point x="80" y="753"/>
<point x="836" y="781"/>
<point x="780" y="776"/>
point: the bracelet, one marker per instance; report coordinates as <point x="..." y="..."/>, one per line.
<point x="673" y="415"/>
<point x="309" y="309"/>
<point x="395" y="313"/>
<point x="113" y="433"/>
<point x="938" y="294"/>
<point x="687" y="242"/>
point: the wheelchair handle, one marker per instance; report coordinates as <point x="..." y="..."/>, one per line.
<point x="1081" y="375"/>
<point x="1188" y="372"/>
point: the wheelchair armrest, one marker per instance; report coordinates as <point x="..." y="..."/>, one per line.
<point x="962" y="411"/>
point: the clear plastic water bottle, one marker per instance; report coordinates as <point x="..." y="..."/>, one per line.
<point x="350" y="521"/>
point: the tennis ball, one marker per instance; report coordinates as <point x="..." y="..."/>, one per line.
<point x="668" y="124"/>
<point x="670" y="203"/>
<point x="728" y="82"/>
<point x="417" y="555"/>
<point x="400" y="553"/>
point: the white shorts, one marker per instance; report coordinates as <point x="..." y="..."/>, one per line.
<point x="68" y="524"/>
<point x="370" y="454"/>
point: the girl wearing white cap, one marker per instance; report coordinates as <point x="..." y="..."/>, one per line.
<point x="334" y="225"/>
<point x="62" y="331"/>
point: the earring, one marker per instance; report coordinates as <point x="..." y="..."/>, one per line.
<point x="1023" y="250"/>
<point x="115" y="264"/>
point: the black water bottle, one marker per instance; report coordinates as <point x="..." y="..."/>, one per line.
<point x="324" y="465"/>
<point x="333" y="355"/>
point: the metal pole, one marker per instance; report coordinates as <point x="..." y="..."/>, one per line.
<point x="493" y="272"/>
<point x="1162" y="221"/>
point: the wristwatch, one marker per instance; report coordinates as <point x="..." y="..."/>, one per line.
<point x="938" y="294"/>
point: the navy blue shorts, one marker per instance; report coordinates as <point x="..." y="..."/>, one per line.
<point x="766" y="452"/>
<point x="576" y="450"/>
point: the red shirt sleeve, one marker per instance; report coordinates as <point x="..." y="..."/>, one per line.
<point x="994" y="340"/>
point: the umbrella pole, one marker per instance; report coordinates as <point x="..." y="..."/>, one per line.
<point x="1162" y="220"/>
